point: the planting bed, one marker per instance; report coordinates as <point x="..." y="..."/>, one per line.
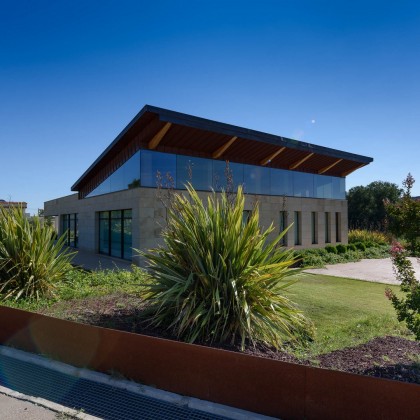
<point x="386" y="357"/>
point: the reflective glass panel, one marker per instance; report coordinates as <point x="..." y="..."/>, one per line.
<point x="339" y="188"/>
<point x="303" y="184"/>
<point x="127" y="238"/>
<point x="104" y="236"/>
<point x="256" y="179"/>
<point x="226" y="172"/>
<point x="198" y="171"/>
<point x="157" y="168"/>
<point x="281" y="182"/>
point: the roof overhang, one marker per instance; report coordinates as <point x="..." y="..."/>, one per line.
<point x="173" y="132"/>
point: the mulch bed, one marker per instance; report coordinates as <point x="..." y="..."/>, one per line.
<point x="386" y="357"/>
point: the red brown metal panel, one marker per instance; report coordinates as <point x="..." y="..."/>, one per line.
<point x="332" y="395"/>
<point x="261" y="385"/>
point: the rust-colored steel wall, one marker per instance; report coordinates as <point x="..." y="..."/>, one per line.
<point x="261" y="385"/>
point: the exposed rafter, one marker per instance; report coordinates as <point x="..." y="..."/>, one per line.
<point x="353" y="169"/>
<point x="219" y="152"/>
<point x="299" y="162"/>
<point x="327" y="168"/>
<point x="157" y="138"/>
<point x="272" y="156"/>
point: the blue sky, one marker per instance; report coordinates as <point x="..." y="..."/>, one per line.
<point x="335" y="73"/>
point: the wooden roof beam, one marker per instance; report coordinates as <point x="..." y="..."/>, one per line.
<point x="299" y="162"/>
<point x="272" y="156"/>
<point x="353" y="169"/>
<point x="327" y="168"/>
<point x="219" y="152"/>
<point x="158" y="137"/>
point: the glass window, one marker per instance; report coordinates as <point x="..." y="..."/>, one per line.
<point x="338" y="188"/>
<point x="281" y="182"/>
<point x="327" y="228"/>
<point x="283" y="226"/>
<point x="115" y="237"/>
<point x="338" y="227"/>
<point x="69" y="227"/>
<point x="256" y="179"/>
<point x="222" y="171"/>
<point x="155" y="165"/>
<point x="198" y="171"/>
<point x="303" y="184"/>
<point x="314" y="227"/>
<point x="297" y="228"/>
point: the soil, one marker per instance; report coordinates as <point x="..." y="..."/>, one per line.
<point x="394" y="358"/>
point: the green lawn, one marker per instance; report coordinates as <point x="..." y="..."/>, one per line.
<point x="346" y="312"/>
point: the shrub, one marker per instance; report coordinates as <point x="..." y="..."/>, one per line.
<point x="360" y="246"/>
<point x="352" y="247"/>
<point x="404" y="217"/>
<point x="407" y="307"/>
<point x="218" y="280"/>
<point x="362" y="235"/>
<point x="377" y="252"/>
<point x="31" y="262"/>
<point x="313" y="261"/>
<point x="332" y="258"/>
<point x="331" y="249"/>
<point x="341" y="249"/>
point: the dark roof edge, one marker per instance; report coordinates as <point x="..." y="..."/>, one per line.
<point x="228" y="129"/>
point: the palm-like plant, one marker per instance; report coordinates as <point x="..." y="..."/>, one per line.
<point x="31" y="262"/>
<point x="218" y="279"/>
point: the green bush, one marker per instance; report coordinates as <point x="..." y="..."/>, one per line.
<point x="362" y="235"/>
<point x="351" y="247"/>
<point x="31" y="263"/>
<point x="341" y="249"/>
<point x="407" y="304"/>
<point x="360" y="246"/>
<point x="218" y="280"/>
<point x="332" y="258"/>
<point x="331" y="249"/>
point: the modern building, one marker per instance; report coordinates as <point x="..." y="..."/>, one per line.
<point x="10" y="204"/>
<point x="118" y="202"/>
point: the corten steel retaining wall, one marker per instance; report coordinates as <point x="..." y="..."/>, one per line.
<point x="261" y="385"/>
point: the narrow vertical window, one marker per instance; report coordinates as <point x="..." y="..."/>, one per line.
<point x="69" y="227"/>
<point x="298" y="239"/>
<point x="245" y="216"/>
<point x="283" y="226"/>
<point x="338" y="227"/>
<point x="314" y="227"/>
<point x="327" y="228"/>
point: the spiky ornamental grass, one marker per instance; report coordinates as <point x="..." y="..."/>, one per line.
<point x="218" y="280"/>
<point x="31" y="262"/>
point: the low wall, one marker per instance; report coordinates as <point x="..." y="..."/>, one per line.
<point x="264" y="386"/>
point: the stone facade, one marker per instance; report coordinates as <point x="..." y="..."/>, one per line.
<point x="149" y="216"/>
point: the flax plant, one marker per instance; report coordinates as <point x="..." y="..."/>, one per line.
<point x="31" y="262"/>
<point x="218" y="279"/>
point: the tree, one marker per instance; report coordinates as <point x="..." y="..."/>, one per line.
<point x="404" y="217"/>
<point x="407" y="303"/>
<point x="366" y="204"/>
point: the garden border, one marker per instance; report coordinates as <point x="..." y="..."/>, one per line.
<point x="265" y="386"/>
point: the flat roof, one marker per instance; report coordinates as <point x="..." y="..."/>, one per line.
<point x="174" y="132"/>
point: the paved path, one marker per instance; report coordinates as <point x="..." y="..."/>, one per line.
<point x="92" y="261"/>
<point x="379" y="271"/>
<point x="12" y="408"/>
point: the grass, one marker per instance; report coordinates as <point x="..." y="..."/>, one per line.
<point x="79" y="284"/>
<point x="346" y="312"/>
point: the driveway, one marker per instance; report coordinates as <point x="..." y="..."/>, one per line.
<point x="380" y="271"/>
